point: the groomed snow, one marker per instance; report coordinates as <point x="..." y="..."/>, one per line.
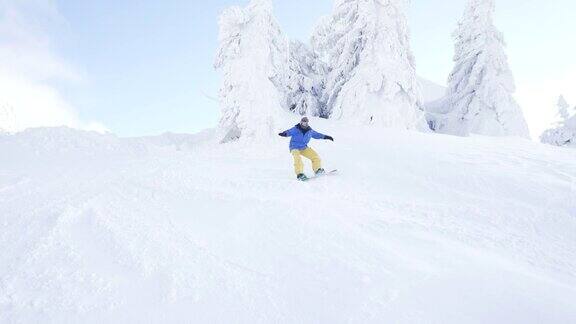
<point x="416" y="228"/>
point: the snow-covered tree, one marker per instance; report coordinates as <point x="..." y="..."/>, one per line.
<point x="564" y="135"/>
<point x="481" y="84"/>
<point x="305" y="81"/>
<point x="372" y="75"/>
<point x="563" y="106"/>
<point x="251" y="55"/>
<point x="564" y="132"/>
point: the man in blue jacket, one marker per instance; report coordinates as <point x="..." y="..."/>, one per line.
<point x="300" y="135"/>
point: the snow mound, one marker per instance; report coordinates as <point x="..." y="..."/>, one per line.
<point x="415" y="228"/>
<point x="431" y="91"/>
<point x="62" y="140"/>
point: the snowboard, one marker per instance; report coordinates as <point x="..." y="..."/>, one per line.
<point x="327" y="173"/>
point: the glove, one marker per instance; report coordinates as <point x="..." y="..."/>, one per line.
<point x="326" y="137"/>
<point x="283" y="134"/>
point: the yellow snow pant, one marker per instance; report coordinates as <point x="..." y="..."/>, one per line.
<point x="309" y="154"/>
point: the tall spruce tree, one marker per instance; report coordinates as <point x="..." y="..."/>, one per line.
<point x="371" y="75"/>
<point x="481" y="84"/>
<point x="251" y="55"/>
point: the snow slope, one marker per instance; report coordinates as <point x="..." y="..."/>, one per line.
<point x="416" y="228"/>
<point x="431" y="91"/>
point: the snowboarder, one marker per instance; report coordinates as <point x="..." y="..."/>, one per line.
<point x="300" y="135"/>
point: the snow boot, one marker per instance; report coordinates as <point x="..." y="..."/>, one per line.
<point x="302" y="177"/>
<point x="320" y="172"/>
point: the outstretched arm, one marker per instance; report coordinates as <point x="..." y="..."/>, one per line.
<point x="287" y="133"/>
<point x="317" y="135"/>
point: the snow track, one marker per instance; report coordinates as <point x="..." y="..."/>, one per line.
<point x="415" y="228"/>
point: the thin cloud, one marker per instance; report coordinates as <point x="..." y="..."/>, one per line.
<point x="28" y="65"/>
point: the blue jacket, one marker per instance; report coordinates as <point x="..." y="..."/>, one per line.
<point x="300" y="137"/>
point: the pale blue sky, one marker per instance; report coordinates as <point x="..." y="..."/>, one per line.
<point x="142" y="66"/>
